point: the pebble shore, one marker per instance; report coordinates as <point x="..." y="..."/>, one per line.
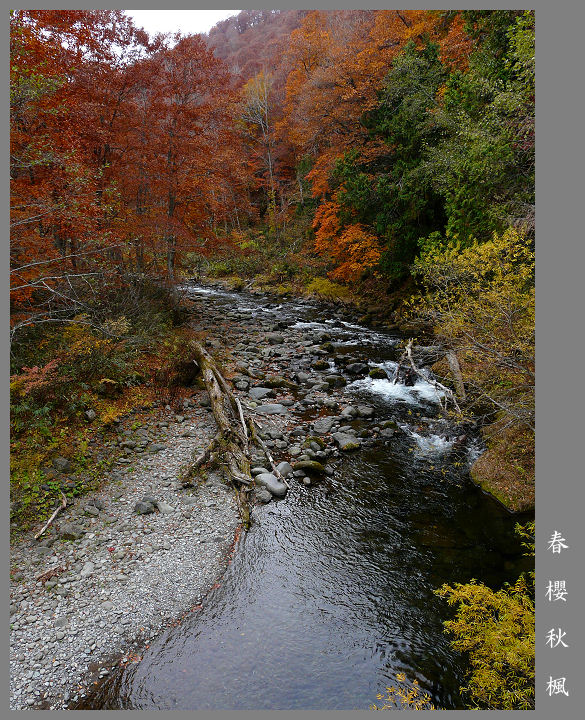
<point x="77" y="601"/>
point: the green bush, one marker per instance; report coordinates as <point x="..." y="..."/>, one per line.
<point x="496" y="630"/>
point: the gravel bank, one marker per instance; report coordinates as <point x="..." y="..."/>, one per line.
<point x="78" y="604"/>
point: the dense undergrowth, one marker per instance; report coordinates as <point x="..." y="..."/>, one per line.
<point x="71" y="384"/>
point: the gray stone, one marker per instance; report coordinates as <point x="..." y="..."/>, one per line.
<point x="345" y="441"/>
<point x="277" y="381"/>
<point x="90" y="415"/>
<point x="61" y="464"/>
<point x="271" y="483"/>
<point x="335" y="380"/>
<point x="164" y="508"/>
<point x="43" y="551"/>
<point x="143" y="508"/>
<point x="366" y="411"/>
<point x="323" y="425"/>
<point x="357" y="368"/>
<point x="91" y="510"/>
<point x="69" y="531"/>
<point x="257" y="470"/>
<point x="271" y="409"/>
<point x="87" y="569"/>
<point x="258" y="393"/>
<point x="310" y="466"/>
<point x="263" y="495"/>
<point x="284" y="469"/>
<point x="349" y="412"/>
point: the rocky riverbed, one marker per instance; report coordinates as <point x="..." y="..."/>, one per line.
<point x="120" y="564"/>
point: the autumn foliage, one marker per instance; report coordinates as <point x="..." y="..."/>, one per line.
<point x="131" y="155"/>
<point x="124" y="156"/>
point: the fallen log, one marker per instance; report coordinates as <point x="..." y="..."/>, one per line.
<point x="231" y="446"/>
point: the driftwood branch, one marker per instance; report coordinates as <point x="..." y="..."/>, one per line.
<point x="437" y="385"/>
<point x="53" y="516"/>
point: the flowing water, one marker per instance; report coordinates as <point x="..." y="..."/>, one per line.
<point x="330" y="594"/>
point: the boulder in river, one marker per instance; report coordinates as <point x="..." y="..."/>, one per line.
<point x="335" y="380"/>
<point x="357" y="368"/>
<point x="378" y="373"/>
<point x="275" y="486"/>
<point x="346" y="442"/>
<point x="309" y="466"/>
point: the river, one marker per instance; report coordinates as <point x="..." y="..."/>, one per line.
<point x="330" y="593"/>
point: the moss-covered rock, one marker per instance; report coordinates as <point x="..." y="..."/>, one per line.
<point x="378" y="373"/>
<point x="309" y="466"/>
<point x="313" y="438"/>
